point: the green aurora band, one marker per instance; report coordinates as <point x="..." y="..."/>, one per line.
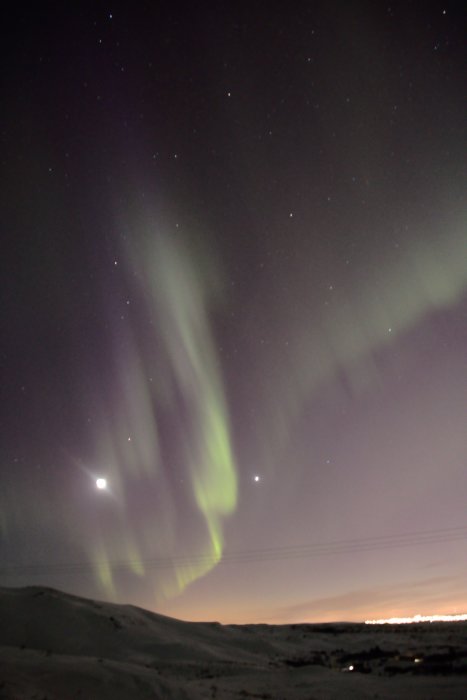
<point x="179" y="288"/>
<point x="364" y="316"/>
<point x="182" y="295"/>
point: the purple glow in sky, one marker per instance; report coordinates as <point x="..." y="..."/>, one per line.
<point x="235" y="309"/>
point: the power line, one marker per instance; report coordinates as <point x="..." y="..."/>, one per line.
<point x="304" y="551"/>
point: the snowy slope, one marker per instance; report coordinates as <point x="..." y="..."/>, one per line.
<point x="57" y="646"/>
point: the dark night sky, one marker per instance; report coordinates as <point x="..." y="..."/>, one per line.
<point x="234" y="284"/>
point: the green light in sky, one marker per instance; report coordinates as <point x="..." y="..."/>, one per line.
<point x="178" y="290"/>
<point x="182" y="297"/>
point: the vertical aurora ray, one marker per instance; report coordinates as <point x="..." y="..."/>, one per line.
<point x="182" y="297"/>
<point x="164" y="427"/>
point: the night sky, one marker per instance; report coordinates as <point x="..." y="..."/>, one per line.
<point x="234" y="285"/>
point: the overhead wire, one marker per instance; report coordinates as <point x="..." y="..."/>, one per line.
<point x="286" y="552"/>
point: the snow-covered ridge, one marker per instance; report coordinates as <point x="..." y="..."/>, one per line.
<point x="54" y="645"/>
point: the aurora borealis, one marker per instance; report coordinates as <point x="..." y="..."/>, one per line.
<point x="234" y="287"/>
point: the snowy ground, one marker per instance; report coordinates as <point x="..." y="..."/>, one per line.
<point x="55" y="646"/>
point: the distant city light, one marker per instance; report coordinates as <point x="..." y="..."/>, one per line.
<point x="348" y="669"/>
<point x="417" y="618"/>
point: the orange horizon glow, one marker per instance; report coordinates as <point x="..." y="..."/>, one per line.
<point x="230" y="615"/>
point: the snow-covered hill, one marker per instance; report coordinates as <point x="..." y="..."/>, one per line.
<point x="57" y="646"/>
